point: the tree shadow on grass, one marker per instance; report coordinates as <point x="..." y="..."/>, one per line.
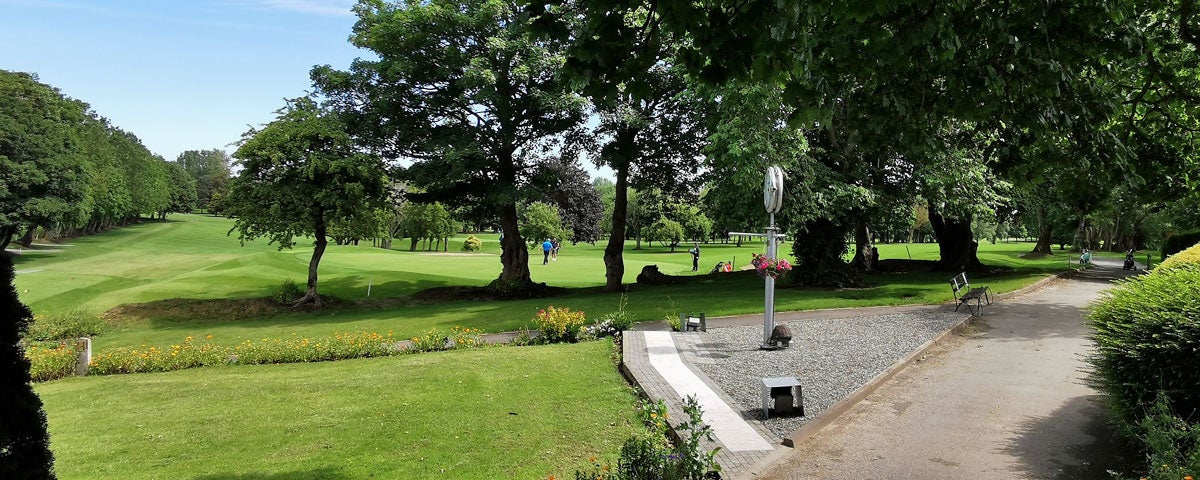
<point x="325" y="473"/>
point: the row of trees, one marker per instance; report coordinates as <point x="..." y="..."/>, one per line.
<point x="997" y="111"/>
<point x="69" y="171"/>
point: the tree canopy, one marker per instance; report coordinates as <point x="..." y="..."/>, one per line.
<point x="464" y="95"/>
<point x="300" y="174"/>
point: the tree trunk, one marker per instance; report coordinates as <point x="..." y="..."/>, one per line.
<point x="864" y="250"/>
<point x="957" y="248"/>
<point x="6" y="234"/>
<point x="310" y="296"/>
<point x="1043" y="239"/>
<point x="1081" y="240"/>
<point x="413" y="246"/>
<point x="385" y="243"/>
<point x="514" y="256"/>
<point x="27" y="239"/>
<point x="614" y="261"/>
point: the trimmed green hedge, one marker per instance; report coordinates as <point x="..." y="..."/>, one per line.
<point x="1148" y="340"/>
<point x="1147" y="362"/>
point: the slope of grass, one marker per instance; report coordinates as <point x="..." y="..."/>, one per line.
<point x="470" y="414"/>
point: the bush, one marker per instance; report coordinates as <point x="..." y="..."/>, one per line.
<point x="1172" y="445"/>
<point x="1147" y="333"/>
<point x="612" y="324"/>
<point x="1190" y="256"/>
<point x="71" y="325"/>
<point x="556" y="325"/>
<point x="650" y="456"/>
<point x="288" y="293"/>
<point x="1178" y="242"/>
<point x="51" y="361"/>
<point x="472" y="244"/>
<point x="435" y="340"/>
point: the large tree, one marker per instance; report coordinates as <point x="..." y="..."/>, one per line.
<point x="459" y="90"/>
<point x="566" y="185"/>
<point x="300" y="174"/>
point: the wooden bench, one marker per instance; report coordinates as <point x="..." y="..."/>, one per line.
<point x="973" y="298"/>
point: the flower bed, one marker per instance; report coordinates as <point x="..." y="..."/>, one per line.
<point x="49" y="363"/>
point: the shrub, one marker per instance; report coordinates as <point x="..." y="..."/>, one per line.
<point x="556" y="325"/>
<point x="1178" y="242"/>
<point x="523" y="338"/>
<point x="288" y="293"/>
<point x="621" y="320"/>
<point x="1172" y="445"/>
<point x="1190" y="256"/>
<point x="432" y="341"/>
<point x="650" y="456"/>
<point x="60" y="326"/>
<point x="51" y="361"/>
<point x="601" y="329"/>
<point x="435" y="340"/>
<point x="1147" y="333"/>
<point x="472" y="244"/>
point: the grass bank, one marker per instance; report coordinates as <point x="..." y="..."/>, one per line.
<point x="469" y="414"/>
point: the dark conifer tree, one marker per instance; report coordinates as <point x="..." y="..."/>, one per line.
<point x="24" y="441"/>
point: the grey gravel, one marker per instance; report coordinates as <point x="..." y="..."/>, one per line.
<point x="830" y="357"/>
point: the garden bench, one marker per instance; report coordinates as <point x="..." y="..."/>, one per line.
<point x="973" y="298"/>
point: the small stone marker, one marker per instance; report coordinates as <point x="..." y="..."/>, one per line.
<point x="83" y="355"/>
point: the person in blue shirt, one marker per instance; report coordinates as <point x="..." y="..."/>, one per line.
<point x="546" y="246"/>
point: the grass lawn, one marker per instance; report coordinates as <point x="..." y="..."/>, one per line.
<point x="190" y="257"/>
<point x="469" y="414"/>
<point x="525" y="412"/>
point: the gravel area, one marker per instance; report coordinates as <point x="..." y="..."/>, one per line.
<point x="830" y="357"/>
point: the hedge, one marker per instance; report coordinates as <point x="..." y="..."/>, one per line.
<point x="1178" y="242"/>
<point x="1147" y="363"/>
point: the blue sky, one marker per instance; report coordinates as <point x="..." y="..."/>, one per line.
<point x="179" y="74"/>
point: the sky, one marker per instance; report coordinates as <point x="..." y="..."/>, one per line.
<point x="179" y="74"/>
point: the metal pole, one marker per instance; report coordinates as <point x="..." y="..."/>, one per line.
<point x="769" y="301"/>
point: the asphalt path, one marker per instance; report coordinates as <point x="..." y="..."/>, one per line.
<point x="1006" y="399"/>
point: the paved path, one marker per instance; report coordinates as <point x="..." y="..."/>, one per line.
<point x="1004" y="400"/>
